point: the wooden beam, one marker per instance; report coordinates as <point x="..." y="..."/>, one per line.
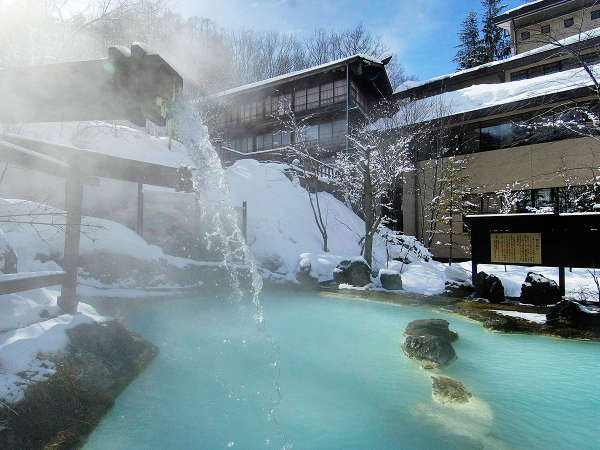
<point x="11" y="283"/>
<point x="73" y="199"/>
<point x="140" y="210"/>
<point x="108" y="166"/>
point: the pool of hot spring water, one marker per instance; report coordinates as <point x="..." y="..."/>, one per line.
<point x="328" y="372"/>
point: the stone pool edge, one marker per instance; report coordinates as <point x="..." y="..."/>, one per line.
<point x="100" y="361"/>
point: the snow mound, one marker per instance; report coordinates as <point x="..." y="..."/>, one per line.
<point x="281" y="230"/>
<point x="24" y="349"/>
<point x="42" y="233"/>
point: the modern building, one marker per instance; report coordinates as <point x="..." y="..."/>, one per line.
<point x="325" y="100"/>
<point x="507" y="115"/>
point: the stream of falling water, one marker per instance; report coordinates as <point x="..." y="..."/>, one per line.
<point x="214" y="202"/>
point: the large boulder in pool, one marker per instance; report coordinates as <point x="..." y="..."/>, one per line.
<point x="489" y="287"/>
<point x="539" y="290"/>
<point x="434" y="327"/>
<point x="430" y="341"/>
<point x="355" y="272"/>
<point x="390" y="279"/>
<point x="447" y="390"/>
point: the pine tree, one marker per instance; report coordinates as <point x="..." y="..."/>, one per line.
<point x="495" y="45"/>
<point x="470" y="49"/>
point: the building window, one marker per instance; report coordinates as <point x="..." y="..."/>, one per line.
<point x="537" y="71"/>
<point x="312" y="97"/>
<point x="327" y="94"/>
<point x="569" y="22"/>
<point x="339" y="89"/>
<point x="525" y="35"/>
<point x="596" y="14"/>
<point x="300" y="100"/>
<point x="326" y="134"/>
<point x="545" y="29"/>
<point x="280" y="103"/>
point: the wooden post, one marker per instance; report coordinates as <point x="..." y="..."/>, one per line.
<point x="561" y="280"/>
<point x="140" y="210"/>
<point x="73" y="198"/>
<point x="245" y="220"/>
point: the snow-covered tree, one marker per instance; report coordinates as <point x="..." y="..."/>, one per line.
<point x="470" y="49"/>
<point x="452" y="200"/>
<point x="304" y="153"/>
<point x="376" y="165"/>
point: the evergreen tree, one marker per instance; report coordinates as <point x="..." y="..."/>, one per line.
<point x="470" y="49"/>
<point x="495" y="45"/>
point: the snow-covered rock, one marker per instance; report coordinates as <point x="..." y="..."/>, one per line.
<point x="390" y="279"/>
<point x="539" y="290"/>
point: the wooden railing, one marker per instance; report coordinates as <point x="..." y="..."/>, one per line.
<point x="288" y="155"/>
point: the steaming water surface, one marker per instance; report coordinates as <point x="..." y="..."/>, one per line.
<point x="344" y="381"/>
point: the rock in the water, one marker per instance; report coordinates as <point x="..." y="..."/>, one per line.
<point x="489" y="287"/>
<point x="539" y="290"/>
<point x="8" y="257"/>
<point x="430" y="341"/>
<point x="567" y="314"/>
<point x="431" y="350"/>
<point x="390" y="279"/>
<point x="434" y="327"/>
<point x="458" y="289"/>
<point x="447" y="390"/>
<point x="355" y="272"/>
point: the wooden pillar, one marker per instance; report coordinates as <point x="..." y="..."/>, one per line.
<point x="561" y="281"/>
<point x="73" y="198"/>
<point x="140" y="210"/>
<point x="245" y="220"/>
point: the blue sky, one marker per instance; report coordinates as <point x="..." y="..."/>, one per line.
<point x="422" y="33"/>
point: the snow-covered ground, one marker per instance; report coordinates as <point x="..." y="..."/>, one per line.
<point x="28" y="341"/>
<point x="281" y="230"/>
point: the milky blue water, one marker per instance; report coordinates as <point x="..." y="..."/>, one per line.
<point x="328" y="372"/>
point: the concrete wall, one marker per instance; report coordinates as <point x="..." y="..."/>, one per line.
<point x="537" y="166"/>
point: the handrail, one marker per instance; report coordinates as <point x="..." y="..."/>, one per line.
<point x="321" y="168"/>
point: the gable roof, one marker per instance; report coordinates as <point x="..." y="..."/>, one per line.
<point x="270" y="82"/>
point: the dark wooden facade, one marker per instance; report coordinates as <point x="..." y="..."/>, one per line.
<point x="327" y="99"/>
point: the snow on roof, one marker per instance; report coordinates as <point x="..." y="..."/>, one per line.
<point x="516" y="8"/>
<point x="268" y="81"/>
<point x="481" y="96"/>
<point x="566" y="41"/>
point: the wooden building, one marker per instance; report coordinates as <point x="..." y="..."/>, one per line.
<point x="327" y="98"/>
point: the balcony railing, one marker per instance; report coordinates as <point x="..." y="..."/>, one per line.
<point x="288" y="155"/>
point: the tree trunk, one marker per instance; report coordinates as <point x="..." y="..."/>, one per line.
<point x="369" y="216"/>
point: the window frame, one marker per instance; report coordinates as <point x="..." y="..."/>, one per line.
<point x="570" y="21"/>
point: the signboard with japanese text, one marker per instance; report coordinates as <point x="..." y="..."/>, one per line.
<point x="516" y="248"/>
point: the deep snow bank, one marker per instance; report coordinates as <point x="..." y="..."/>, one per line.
<point x="283" y="235"/>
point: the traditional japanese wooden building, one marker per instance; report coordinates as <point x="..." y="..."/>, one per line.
<point x="327" y="99"/>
